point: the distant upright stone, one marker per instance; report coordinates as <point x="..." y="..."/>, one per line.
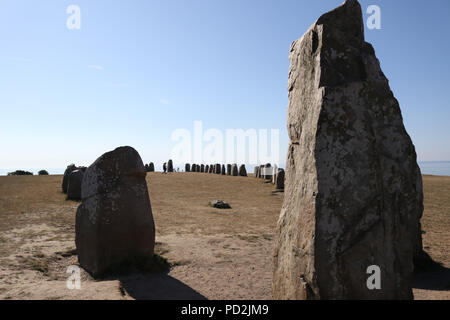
<point x="242" y="171"/>
<point x="280" y="179"/>
<point x="218" y="168"/>
<point x="223" y="172"/>
<point x="256" y="171"/>
<point x="170" y="166"/>
<point x="202" y="168"/>
<point x="187" y="167"/>
<point x="146" y="168"/>
<point x="261" y="171"/>
<point x="74" y="184"/>
<point x="114" y="223"/>
<point x="268" y="171"/>
<point x="207" y="168"/>
<point x="65" y="181"/>
<point x="211" y="168"/>
<point x="234" y="170"/>
<point x="151" y="167"/>
<point x="353" y="193"/>
<point x="229" y="169"/>
<point x="274" y="175"/>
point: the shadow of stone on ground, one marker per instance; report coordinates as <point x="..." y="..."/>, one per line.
<point x="158" y="286"/>
<point x="430" y="275"/>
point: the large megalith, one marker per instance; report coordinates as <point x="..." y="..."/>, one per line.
<point x="217" y="168"/>
<point x="114" y="223"/>
<point x="74" y="184"/>
<point x="242" y="170"/>
<point x="67" y="172"/>
<point x="256" y="171"/>
<point x="151" y="167"/>
<point x="353" y="189"/>
<point x="187" y="167"/>
<point x="267" y="171"/>
<point x="223" y="172"/>
<point x="170" y="166"/>
<point x="234" y="170"/>
<point x="280" y="179"/>
<point x="228" y="169"/>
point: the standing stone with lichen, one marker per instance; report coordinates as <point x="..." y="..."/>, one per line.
<point x="114" y="223"/>
<point x="353" y="190"/>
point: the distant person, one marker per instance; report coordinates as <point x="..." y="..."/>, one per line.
<point x="165" y="167"/>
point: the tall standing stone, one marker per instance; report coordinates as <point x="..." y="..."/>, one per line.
<point x="256" y="172"/>
<point x="228" y="169"/>
<point x="74" y="184"/>
<point x="114" y="223"/>
<point x="151" y="167"/>
<point x="67" y="172"/>
<point x="202" y="168"/>
<point x="223" y="171"/>
<point x="207" y="168"/>
<point x="353" y="193"/>
<point x="261" y="171"/>
<point x="218" y="168"/>
<point x="187" y="167"/>
<point x="268" y="171"/>
<point x="234" y="170"/>
<point x="170" y="166"/>
<point x="280" y="179"/>
<point x="242" y="170"/>
<point x="274" y="176"/>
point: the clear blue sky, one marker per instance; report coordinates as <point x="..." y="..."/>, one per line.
<point x="138" y="70"/>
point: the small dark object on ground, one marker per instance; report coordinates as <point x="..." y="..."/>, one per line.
<point x="43" y="173"/>
<point x="219" y="204"/>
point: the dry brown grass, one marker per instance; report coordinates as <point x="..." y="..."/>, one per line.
<point x="219" y="254"/>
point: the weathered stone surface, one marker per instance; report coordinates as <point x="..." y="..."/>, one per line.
<point x="242" y="170"/>
<point x="187" y="167"/>
<point x="114" y="223"/>
<point x="74" y="184"/>
<point x="170" y="166"/>
<point x="234" y="170"/>
<point x="146" y="168"/>
<point x="67" y="172"/>
<point x="353" y="193"/>
<point x="223" y="172"/>
<point x="229" y="169"/>
<point x="151" y="167"/>
<point x="217" y="168"/>
<point x="202" y="168"/>
<point x="207" y="168"/>
<point x="280" y="179"/>
<point x="211" y="168"/>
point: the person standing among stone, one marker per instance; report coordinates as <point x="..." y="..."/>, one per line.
<point x="164" y="167"/>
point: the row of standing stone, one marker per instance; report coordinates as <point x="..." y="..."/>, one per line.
<point x="270" y="174"/>
<point x="229" y="170"/>
<point x="71" y="184"/>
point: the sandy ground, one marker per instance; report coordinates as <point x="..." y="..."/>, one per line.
<point x="214" y="254"/>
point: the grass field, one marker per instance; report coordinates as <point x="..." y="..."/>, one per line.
<point x="214" y="254"/>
